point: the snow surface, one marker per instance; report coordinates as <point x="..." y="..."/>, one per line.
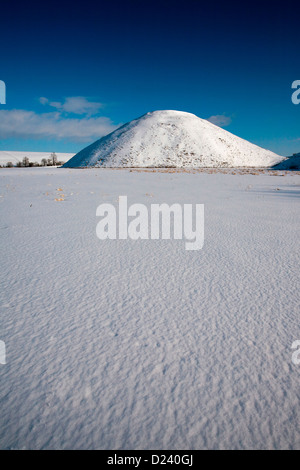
<point x="172" y="139"/>
<point x="15" y="157"/>
<point x="141" y="344"/>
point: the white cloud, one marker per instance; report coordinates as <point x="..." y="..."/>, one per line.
<point x="18" y="123"/>
<point x="75" y="105"/>
<point x="43" y="100"/>
<point x="55" y="104"/>
<point x="220" y="120"/>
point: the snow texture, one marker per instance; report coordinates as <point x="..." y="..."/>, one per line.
<point x="122" y="344"/>
<point x="172" y="139"/>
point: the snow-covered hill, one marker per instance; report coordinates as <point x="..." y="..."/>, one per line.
<point x="172" y="139"/>
<point x="289" y="163"/>
<point x="15" y="157"/>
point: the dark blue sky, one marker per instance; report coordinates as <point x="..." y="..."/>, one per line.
<point x="233" y="60"/>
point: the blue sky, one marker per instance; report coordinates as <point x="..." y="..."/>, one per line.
<point x="75" y="72"/>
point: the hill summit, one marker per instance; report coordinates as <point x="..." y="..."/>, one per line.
<point x="172" y="139"/>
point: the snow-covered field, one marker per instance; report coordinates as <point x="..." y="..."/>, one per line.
<point x="123" y="344"/>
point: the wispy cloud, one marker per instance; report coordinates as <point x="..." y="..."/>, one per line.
<point x="220" y="120"/>
<point x="18" y="123"/>
<point x="43" y="100"/>
<point x="75" y="105"/>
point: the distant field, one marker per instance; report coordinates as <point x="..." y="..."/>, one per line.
<point x="15" y="157"/>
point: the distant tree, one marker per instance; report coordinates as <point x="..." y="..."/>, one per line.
<point x="49" y="162"/>
<point x="53" y="158"/>
<point x="19" y="164"/>
<point x="25" y="161"/>
<point x="44" y="161"/>
<point x="9" y="165"/>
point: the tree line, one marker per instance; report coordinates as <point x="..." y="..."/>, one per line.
<point x="51" y="161"/>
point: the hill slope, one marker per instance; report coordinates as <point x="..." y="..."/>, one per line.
<point x="289" y="163"/>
